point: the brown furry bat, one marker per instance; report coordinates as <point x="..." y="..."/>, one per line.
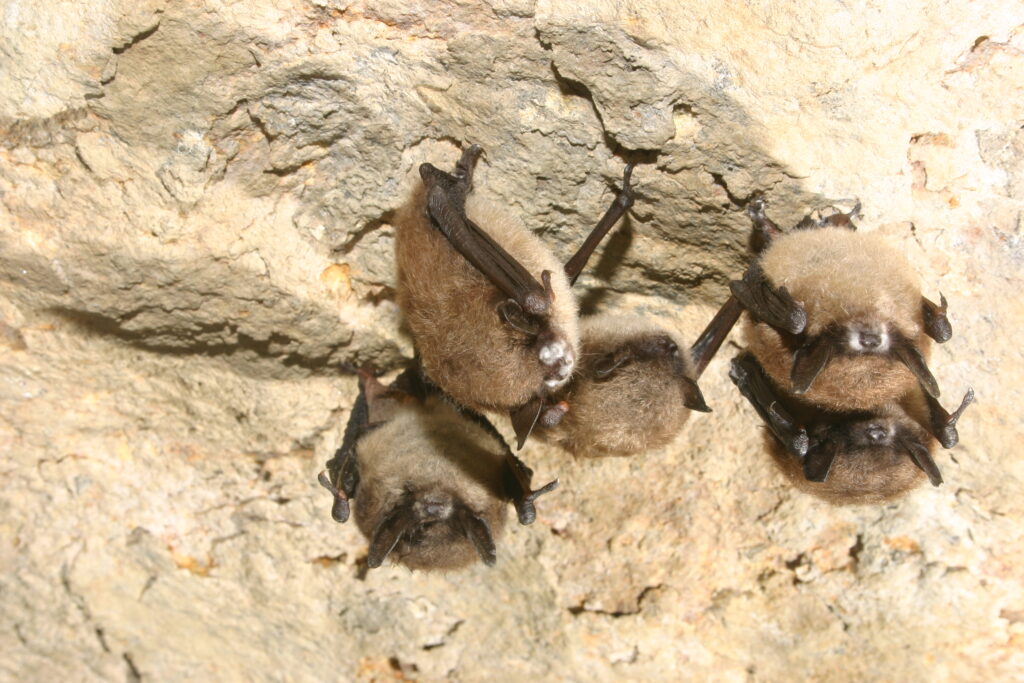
<point x="488" y="304"/>
<point x="868" y="456"/>
<point x="635" y="385"/>
<point x="837" y="315"/>
<point x="431" y="483"/>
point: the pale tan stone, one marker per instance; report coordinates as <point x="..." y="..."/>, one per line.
<point x="196" y="253"/>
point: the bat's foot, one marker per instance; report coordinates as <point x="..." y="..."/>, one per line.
<point x="524" y="498"/>
<point x="558" y="360"/>
<point x="340" y="508"/>
<point x="551" y="416"/>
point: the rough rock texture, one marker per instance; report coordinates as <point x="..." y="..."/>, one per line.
<point x="194" y="207"/>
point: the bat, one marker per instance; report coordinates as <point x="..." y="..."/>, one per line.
<point x="490" y="308"/>
<point x="837" y="316"/>
<point x="851" y="457"/>
<point x="429" y="483"/>
<point x="635" y="384"/>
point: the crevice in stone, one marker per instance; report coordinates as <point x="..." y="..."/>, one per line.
<point x="329" y="560"/>
<point x="838" y="615"/>
<point x="795" y="564"/>
<point x="856" y="549"/>
<point x="136" y="39"/>
<point x="576" y="610"/>
<point x="719" y="180"/>
<point x="362" y="568"/>
<point x="403" y="669"/>
<point x="100" y="636"/>
<point x="356" y="237"/>
<point x="107" y="326"/>
<point x="79" y="601"/>
<point x="444" y="639"/>
<point x="132" y="675"/>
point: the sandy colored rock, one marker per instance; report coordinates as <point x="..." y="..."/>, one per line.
<point x="194" y="220"/>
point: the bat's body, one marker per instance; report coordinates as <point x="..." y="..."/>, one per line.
<point x="860" y="292"/>
<point x="452" y="309"/>
<point x="633" y="390"/>
<point x="837" y="316"/>
<point x="863" y="456"/>
<point x="871" y="451"/>
<point x="490" y="308"/>
<point x="430" y="482"/>
<point x="428" y="457"/>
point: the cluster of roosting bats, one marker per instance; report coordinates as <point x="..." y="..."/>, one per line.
<point x="837" y="334"/>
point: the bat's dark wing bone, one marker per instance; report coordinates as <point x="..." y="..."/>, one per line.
<point x="341" y="477"/>
<point x="748" y="376"/>
<point x="711" y="339"/>
<point x="446" y="207"/>
<point x="620" y="205"/>
<point x="770" y="304"/>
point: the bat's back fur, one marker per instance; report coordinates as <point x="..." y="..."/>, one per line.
<point x="465" y="347"/>
<point x="638" y="408"/>
<point x="842" y="277"/>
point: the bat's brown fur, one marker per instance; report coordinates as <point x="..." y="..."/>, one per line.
<point x="638" y="408"/>
<point x="843" y="277"/>
<point x="465" y="348"/>
<point x="865" y="475"/>
<point x="433" y="452"/>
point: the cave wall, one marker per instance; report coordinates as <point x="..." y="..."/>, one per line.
<point x="196" y="252"/>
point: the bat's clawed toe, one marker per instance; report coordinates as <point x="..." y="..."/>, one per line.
<point x="340" y="508"/>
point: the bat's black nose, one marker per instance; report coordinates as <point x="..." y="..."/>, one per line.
<point x="434" y="509"/>
<point x="870" y="340"/>
<point x="877" y="433"/>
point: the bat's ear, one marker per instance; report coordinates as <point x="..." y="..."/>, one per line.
<point x="818" y="461"/>
<point x="908" y="354"/>
<point x="388" y="533"/>
<point x="922" y="457"/>
<point x="476" y="530"/>
<point x="606" y="365"/>
<point x="808" y="362"/>
<point x="693" y="398"/>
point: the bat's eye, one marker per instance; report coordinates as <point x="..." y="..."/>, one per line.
<point x="659" y="346"/>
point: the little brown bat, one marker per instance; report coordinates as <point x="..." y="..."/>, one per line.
<point x="429" y="482"/>
<point x="861" y="456"/>
<point x="837" y="315"/>
<point x="490" y="308"/>
<point x="634" y="386"/>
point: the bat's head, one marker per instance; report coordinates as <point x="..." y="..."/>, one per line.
<point x="866" y="457"/>
<point x="433" y="528"/>
<point x="863" y="356"/>
<point x="632" y="392"/>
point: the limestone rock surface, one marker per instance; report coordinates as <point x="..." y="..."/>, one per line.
<point x="195" y="254"/>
